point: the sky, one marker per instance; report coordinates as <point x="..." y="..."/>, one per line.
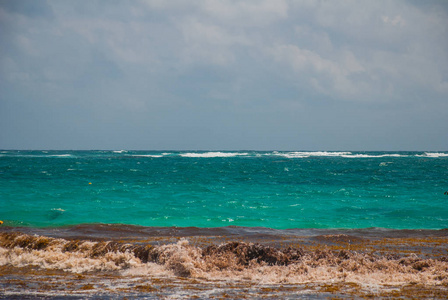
<point x="224" y="75"/>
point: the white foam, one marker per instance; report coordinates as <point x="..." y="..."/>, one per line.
<point x="44" y="155"/>
<point x="58" y="209"/>
<point x="345" y="154"/>
<point x="59" y="155"/>
<point x="185" y="260"/>
<point x="147" y="155"/>
<point x="372" y="156"/>
<point x="213" y="154"/>
<point x="35" y="155"/>
<point x="305" y="154"/>
<point x="434" y="154"/>
<point x="120" y="151"/>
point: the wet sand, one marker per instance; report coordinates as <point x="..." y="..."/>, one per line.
<point x="104" y="261"/>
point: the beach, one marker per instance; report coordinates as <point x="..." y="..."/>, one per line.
<point x="103" y="261"/>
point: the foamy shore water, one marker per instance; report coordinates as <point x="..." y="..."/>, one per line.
<point x="102" y="261"/>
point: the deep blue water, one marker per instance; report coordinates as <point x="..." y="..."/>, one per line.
<point x="213" y="189"/>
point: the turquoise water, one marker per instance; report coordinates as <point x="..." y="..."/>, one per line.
<point x="402" y="190"/>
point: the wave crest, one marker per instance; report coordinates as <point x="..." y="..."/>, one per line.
<point x="434" y="154"/>
<point x="213" y="154"/>
<point x="234" y="260"/>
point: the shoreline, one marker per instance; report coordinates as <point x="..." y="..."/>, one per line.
<point x="183" y="262"/>
<point x="110" y="230"/>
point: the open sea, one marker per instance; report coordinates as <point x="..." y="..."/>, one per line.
<point x="400" y="190"/>
<point x="211" y="224"/>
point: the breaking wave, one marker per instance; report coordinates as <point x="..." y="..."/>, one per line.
<point x="213" y="154"/>
<point x="334" y="154"/>
<point x="309" y="154"/>
<point x="433" y="154"/>
<point x="120" y="151"/>
<point x="147" y="155"/>
<point x="223" y="154"/>
<point x="231" y="260"/>
<point x="39" y="155"/>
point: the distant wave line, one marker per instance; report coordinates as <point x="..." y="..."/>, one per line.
<point x="230" y="154"/>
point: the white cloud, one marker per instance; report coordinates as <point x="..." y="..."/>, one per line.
<point x="329" y="42"/>
<point x="394" y="21"/>
<point x="259" y="13"/>
<point x="208" y="43"/>
<point x="330" y="77"/>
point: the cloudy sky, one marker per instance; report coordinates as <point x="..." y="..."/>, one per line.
<point x="224" y="74"/>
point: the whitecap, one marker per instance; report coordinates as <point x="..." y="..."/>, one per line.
<point x="434" y="154"/>
<point x="361" y="156"/>
<point x="38" y="155"/>
<point x="59" y="155"/>
<point x="305" y="154"/>
<point x="120" y="151"/>
<point x="213" y="154"/>
<point x="146" y="155"/>
<point x="58" y="209"/>
<point x="345" y="154"/>
<point x="372" y="156"/>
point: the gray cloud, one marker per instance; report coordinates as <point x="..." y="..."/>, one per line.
<point x="224" y="75"/>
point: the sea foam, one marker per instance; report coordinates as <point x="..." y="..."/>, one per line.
<point x="434" y="154"/>
<point x="213" y="154"/>
<point x="231" y="260"/>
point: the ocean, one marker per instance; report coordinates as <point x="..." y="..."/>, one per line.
<point x="280" y="190"/>
<point x="177" y="224"/>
